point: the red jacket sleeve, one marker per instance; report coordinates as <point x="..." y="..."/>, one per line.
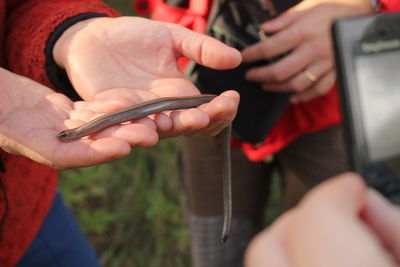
<point x="390" y="5"/>
<point x="29" y="23"/>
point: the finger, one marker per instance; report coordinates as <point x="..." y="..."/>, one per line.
<point x="329" y="225"/>
<point x="293" y="63"/>
<point x="384" y="219"/>
<point x="71" y="124"/>
<point x="142" y="132"/>
<point x="203" y="49"/>
<point x="346" y="192"/>
<point x="65" y="155"/>
<point x="212" y="129"/>
<point x="223" y="106"/>
<point x="289" y="17"/>
<point x="208" y="119"/>
<point x="88" y="152"/>
<point x="164" y="123"/>
<point x="83" y="115"/>
<point x="221" y="111"/>
<point x="284" y="68"/>
<point x="268" y="248"/>
<point x="275" y="45"/>
<point x="300" y="81"/>
<point x="283" y="20"/>
<point x="58" y="99"/>
<point x="185" y="122"/>
<point x="321" y="87"/>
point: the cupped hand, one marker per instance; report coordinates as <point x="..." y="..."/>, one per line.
<point x="339" y="223"/>
<point x="303" y="33"/>
<point x="136" y="59"/>
<point x="208" y="119"/>
<point x="32" y="115"/>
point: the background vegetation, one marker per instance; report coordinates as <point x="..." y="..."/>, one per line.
<point x="131" y="209"/>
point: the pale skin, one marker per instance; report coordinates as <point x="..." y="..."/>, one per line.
<point x="31" y="115"/>
<point x="305" y="32"/>
<point x="339" y="223"/>
<point x="135" y="59"/>
<point x="113" y="63"/>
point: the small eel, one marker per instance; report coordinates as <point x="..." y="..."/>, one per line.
<point x="156" y="106"/>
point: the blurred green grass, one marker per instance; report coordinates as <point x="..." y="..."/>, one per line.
<point x="131" y="209"/>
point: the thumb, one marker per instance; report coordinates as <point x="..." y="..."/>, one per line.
<point x="384" y="219"/>
<point x="203" y="49"/>
<point x="345" y="193"/>
<point x="328" y="224"/>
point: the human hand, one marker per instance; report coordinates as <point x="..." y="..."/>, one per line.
<point x="32" y="115"/>
<point x="339" y="223"/>
<point x="305" y="32"/>
<point x="136" y="59"/>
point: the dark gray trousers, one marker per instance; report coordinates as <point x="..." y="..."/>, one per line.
<point x="307" y="161"/>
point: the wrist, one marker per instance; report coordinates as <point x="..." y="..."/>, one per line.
<point x="56" y="52"/>
<point x="63" y="43"/>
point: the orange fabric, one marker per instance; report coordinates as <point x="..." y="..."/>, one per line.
<point x="298" y="119"/>
<point x="192" y="19"/>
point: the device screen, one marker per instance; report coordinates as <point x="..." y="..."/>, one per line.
<point x="378" y="80"/>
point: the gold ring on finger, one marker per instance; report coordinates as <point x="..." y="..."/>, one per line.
<point x="310" y="76"/>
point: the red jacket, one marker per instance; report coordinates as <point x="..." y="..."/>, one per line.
<point x="314" y="115"/>
<point x="25" y="26"/>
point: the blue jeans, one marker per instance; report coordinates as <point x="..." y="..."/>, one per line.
<point x="59" y="242"/>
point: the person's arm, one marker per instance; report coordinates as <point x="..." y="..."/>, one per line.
<point x="113" y="56"/>
<point x="136" y="58"/>
<point x="33" y="27"/>
<point x="31" y="116"/>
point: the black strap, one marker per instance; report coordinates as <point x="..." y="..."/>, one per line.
<point x="58" y="76"/>
<point x="2" y="168"/>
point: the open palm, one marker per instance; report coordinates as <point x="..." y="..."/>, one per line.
<point x="31" y="115"/>
<point x="136" y="58"/>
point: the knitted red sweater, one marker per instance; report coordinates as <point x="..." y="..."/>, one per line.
<point x="25" y="26"/>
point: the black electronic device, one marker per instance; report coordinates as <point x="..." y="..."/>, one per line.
<point x="367" y="53"/>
